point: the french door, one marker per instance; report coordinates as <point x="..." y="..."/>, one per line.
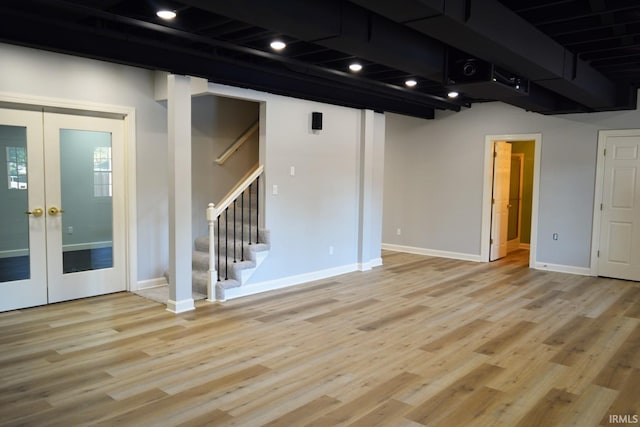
<point x="62" y="218"/>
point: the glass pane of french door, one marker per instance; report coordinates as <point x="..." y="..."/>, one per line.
<point x="86" y="187"/>
<point x="22" y="217"/>
<point x="14" y="199"/>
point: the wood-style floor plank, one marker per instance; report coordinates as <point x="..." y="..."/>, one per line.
<point x="420" y="341"/>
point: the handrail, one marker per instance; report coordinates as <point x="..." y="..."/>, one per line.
<point x="238" y="143"/>
<point x="244" y="183"/>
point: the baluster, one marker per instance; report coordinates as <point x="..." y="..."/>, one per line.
<point x="242" y="226"/>
<point x="250" y="188"/>
<point x="257" y="205"/>
<point x="218" y="245"/>
<point x="226" y="244"/>
<point x="235" y="204"/>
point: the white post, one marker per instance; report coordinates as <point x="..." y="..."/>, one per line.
<point x="180" y="242"/>
<point x="213" y="274"/>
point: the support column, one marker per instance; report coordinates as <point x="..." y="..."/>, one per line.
<point x="371" y="160"/>
<point x="180" y="240"/>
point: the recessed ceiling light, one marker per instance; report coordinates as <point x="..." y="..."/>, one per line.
<point x="166" y="14"/>
<point x="453" y="94"/>
<point x="411" y="83"/>
<point x="355" y="67"/>
<point x="278" y="45"/>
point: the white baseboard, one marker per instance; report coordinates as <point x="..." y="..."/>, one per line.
<point x="582" y="271"/>
<point x="180" y="306"/>
<point x="151" y="283"/>
<point x="14" y="253"/>
<point x="271" y="285"/>
<point x="377" y="262"/>
<point x="431" y="252"/>
<point x="87" y="245"/>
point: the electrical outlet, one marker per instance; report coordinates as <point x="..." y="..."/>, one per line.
<point x="275" y="190"/>
<point x="292" y="172"/>
<point x="70" y="230"/>
<point x="555" y="236"/>
<point x="330" y="250"/>
<point x="398" y="232"/>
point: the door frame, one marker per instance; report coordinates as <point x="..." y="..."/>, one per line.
<point x="485" y="231"/>
<point x="128" y="116"/>
<point x="599" y="190"/>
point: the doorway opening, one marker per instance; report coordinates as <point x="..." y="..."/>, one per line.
<point x="510" y="196"/>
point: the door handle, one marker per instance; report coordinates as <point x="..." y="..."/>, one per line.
<point x="53" y="211"/>
<point x="36" y="212"/>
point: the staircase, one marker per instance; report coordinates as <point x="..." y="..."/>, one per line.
<point x="240" y="245"/>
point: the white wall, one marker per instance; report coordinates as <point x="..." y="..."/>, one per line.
<point x="38" y="73"/>
<point x="434" y="176"/>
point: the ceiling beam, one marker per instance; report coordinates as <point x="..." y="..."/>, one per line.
<point x="342" y="26"/>
<point x="34" y="31"/>
<point x="488" y="30"/>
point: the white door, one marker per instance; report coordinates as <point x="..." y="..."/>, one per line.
<point x="23" y="274"/>
<point x="619" y="244"/>
<point x="73" y="203"/>
<point x="500" y="199"/>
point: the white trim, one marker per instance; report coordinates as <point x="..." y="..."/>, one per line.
<point x="14" y="253"/>
<point x="128" y="115"/>
<point x="158" y="282"/>
<point x="181" y="306"/>
<point x="366" y="266"/>
<point x="85" y="246"/>
<point x="485" y="232"/>
<point x="597" y="198"/>
<point x="285" y="282"/>
<point x="432" y="252"/>
<point x="569" y="269"/>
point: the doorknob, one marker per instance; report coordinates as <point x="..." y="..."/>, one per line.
<point x="36" y="212"/>
<point x="53" y="211"/>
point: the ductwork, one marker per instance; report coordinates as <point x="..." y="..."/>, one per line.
<point x="342" y="26"/>
<point x="486" y="29"/>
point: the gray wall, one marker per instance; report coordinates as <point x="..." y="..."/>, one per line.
<point x="434" y="178"/>
<point x="44" y="74"/>
<point x="318" y="207"/>
<point x="217" y="122"/>
<point x="315" y="209"/>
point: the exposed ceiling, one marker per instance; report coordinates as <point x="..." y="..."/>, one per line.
<point x="548" y="56"/>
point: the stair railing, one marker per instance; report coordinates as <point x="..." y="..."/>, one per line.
<point x="218" y="269"/>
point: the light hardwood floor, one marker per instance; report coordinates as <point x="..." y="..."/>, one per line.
<point x="419" y="341"/>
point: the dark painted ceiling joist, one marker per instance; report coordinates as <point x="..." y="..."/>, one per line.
<point x="342" y="26"/>
<point x="488" y="30"/>
<point x="129" y="50"/>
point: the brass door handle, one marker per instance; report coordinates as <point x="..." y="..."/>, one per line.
<point x="53" y="211"/>
<point x="36" y="212"/>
